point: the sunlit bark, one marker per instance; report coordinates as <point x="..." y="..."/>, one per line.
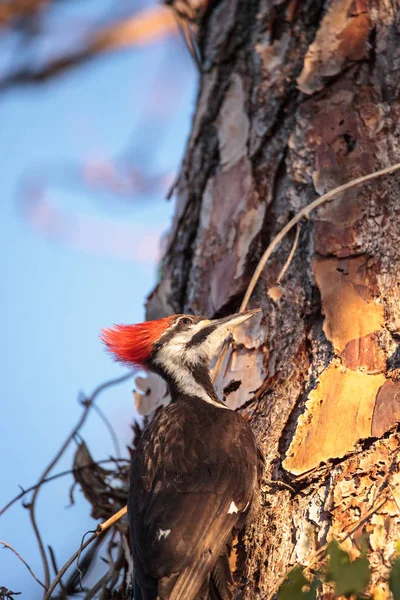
<point x="295" y="99"/>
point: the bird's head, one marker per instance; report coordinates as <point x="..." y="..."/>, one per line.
<point x="172" y="341"/>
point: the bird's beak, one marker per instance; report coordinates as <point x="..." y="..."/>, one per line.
<point x="208" y="335"/>
<point x="234" y="320"/>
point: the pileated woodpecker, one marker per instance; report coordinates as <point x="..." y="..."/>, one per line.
<point x="195" y="472"/>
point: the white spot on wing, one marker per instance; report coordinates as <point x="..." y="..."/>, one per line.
<point x="232" y="508"/>
<point x="163" y="534"/>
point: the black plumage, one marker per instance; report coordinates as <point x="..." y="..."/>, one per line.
<point x="195" y="472"/>
<point x="194" y="476"/>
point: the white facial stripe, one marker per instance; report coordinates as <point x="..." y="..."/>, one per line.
<point x="168" y="358"/>
<point x="197" y="353"/>
<point x="176" y="358"/>
<point x="212" y="342"/>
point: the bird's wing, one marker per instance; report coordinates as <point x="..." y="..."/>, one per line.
<point x="191" y="578"/>
<point x="184" y="503"/>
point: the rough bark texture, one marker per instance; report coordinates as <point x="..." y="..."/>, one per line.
<point x="295" y="99"/>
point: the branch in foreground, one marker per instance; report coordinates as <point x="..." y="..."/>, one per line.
<point x="65" y="568"/>
<point x="147" y="26"/>
<point x="101" y="528"/>
<point x="88" y="403"/>
<point x="57" y="476"/>
<point x="23" y="561"/>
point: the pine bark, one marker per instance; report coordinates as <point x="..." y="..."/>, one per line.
<point x="295" y="99"/>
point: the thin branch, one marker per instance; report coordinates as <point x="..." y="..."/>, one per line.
<point x="144" y="27"/>
<point x="110" y="428"/>
<point x="128" y="559"/>
<point x="78" y="568"/>
<point x="85" y="562"/>
<point x="189" y="39"/>
<point x="305" y="213"/>
<point x="23" y="561"/>
<point x="53" y="559"/>
<point x="67" y="565"/>
<point x="101" y="528"/>
<point x="274" y="483"/>
<point x="57" y="476"/>
<point x="289" y="258"/>
<point x="111" y="575"/>
<point x="97" y="586"/>
<point x="116" y="566"/>
<point x="88" y="403"/>
<point x="227" y="343"/>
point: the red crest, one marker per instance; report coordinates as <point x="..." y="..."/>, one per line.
<point x="133" y="344"/>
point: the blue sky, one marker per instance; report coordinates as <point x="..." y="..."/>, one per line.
<point x="58" y="293"/>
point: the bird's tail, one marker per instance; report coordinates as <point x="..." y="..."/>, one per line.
<point x="220" y="582"/>
<point x="217" y="584"/>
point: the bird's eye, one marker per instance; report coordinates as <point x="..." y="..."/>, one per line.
<point x="186" y="321"/>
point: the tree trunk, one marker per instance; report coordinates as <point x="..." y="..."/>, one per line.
<point x="295" y="99"/>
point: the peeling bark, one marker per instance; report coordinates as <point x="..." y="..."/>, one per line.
<point x="295" y="99"/>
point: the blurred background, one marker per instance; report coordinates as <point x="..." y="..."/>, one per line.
<point x="96" y="99"/>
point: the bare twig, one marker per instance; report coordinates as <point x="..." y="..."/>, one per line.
<point x="274" y="483"/>
<point x="110" y="429"/>
<point x="128" y="559"/>
<point x="141" y="28"/>
<point x="53" y="559"/>
<point x="72" y="584"/>
<point x="305" y="213"/>
<point x="115" y="567"/>
<point x="97" y="586"/>
<point x="78" y="568"/>
<point x="111" y="575"/>
<point x="290" y="257"/>
<point x="189" y="39"/>
<point x="101" y="528"/>
<point x="23" y="561"/>
<point x="57" y="476"/>
<point x="227" y="344"/>
<point x="88" y="403"/>
<point x="66" y="566"/>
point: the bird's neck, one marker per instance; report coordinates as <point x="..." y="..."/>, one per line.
<point x="192" y="381"/>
